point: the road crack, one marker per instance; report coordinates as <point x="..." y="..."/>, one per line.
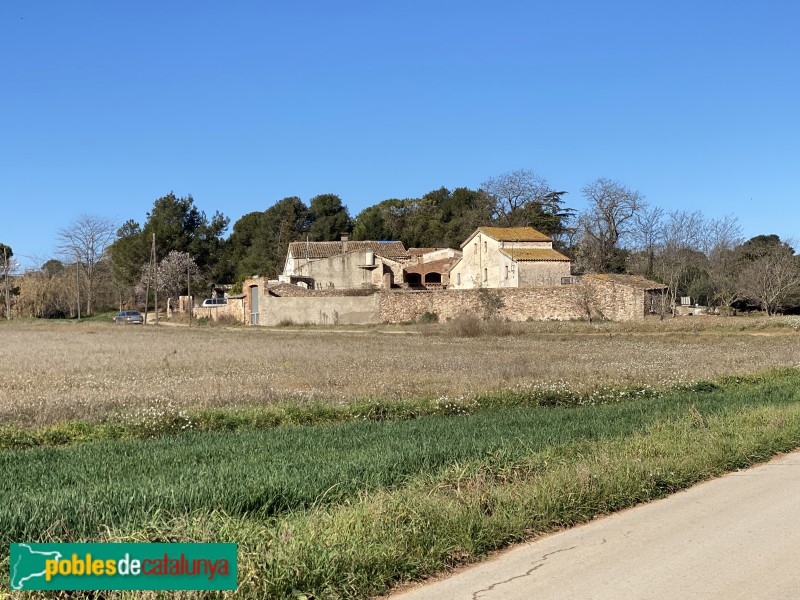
<point x="539" y="563"/>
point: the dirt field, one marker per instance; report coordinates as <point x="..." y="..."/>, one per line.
<point x="56" y="371"/>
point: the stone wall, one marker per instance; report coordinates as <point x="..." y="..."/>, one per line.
<point x="322" y="310"/>
<point x="521" y="304"/>
<point x="234" y="309"/>
<point x="541" y="272"/>
<point x="563" y="302"/>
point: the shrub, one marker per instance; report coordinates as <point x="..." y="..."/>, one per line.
<point x="429" y="317"/>
<point x="466" y="325"/>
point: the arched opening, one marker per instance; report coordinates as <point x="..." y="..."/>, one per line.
<point x="414" y="279"/>
<point x="433" y="277"/>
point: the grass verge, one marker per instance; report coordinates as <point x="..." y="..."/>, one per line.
<point x="168" y="422"/>
<point x="348" y="510"/>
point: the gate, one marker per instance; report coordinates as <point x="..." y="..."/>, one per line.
<point x="254" y="305"/>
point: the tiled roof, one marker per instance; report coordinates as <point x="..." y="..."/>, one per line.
<point x="515" y="234"/>
<point x="546" y="254"/>
<point x="313" y="250"/>
<point x="421" y="251"/>
<point x="443" y="265"/>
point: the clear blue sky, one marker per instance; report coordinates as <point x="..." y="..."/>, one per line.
<point x="106" y="106"/>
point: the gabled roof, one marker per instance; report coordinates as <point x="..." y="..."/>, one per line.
<point x="510" y="234"/>
<point x="514" y="234"/>
<point x="315" y="250"/>
<point x="421" y="251"/>
<point x="529" y="254"/>
<point x="442" y="265"/>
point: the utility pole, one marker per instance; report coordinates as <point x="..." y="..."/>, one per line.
<point x="8" y="290"/>
<point x="155" y="278"/>
<point x="189" y="290"/>
<point x="147" y="287"/>
<point x="78" y="283"/>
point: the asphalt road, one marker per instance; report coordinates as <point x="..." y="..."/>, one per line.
<point x="737" y="537"/>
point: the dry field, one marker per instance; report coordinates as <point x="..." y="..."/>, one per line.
<point x="51" y="371"/>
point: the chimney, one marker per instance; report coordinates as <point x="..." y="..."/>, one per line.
<point x="345" y="237"/>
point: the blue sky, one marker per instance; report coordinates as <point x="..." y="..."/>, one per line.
<point x="106" y="106"/>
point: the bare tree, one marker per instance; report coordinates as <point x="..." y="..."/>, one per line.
<point x="85" y="241"/>
<point x="771" y="278"/>
<point x="647" y="235"/>
<point x="678" y="256"/>
<point x="720" y="240"/>
<point x="607" y="223"/>
<point x="511" y="194"/>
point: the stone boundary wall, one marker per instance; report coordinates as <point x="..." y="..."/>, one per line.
<point x="616" y="301"/>
<point x="556" y="303"/>
<point x="235" y="308"/>
<point x="296" y="291"/>
<point x="322" y="310"/>
<point x="519" y="304"/>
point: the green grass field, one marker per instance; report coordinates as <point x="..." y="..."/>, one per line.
<point x="346" y="510"/>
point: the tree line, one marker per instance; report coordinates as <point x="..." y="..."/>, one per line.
<point x="108" y="267"/>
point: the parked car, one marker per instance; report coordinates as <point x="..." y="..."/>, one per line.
<point x="214" y="302"/>
<point x="129" y="317"/>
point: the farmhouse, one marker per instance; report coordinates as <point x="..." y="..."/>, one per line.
<point x="345" y="264"/>
<point x="509" y="257"/>
<point x="349" y="264"/>
<point x="371" y="282"/>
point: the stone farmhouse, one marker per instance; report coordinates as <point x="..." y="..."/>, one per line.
<point x="370" y="282"/>
<point x="349" y="264"/>
<point x="509" y="257"/>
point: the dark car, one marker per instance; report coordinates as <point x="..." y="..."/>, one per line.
<point x="129" y="317"/>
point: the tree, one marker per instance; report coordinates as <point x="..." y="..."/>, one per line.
<point x="5" y="271"/>
<point x="511" y="193"/>
<point x="608" y="222"/>
<point x="177" y="225"/>
<point x="85" y="241"/>
<point x="328" y="218"/>
<point x="647" y="234"/>
<point x="679" y="262"/>
<point x="171" y="274"/>
<point x="522" y="198"/>
<point x="260" y="240"/>
<point x="720" y="239"/>
<point x="771" y="274"/>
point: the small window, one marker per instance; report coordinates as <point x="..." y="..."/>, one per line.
<point x="485" y="247"/>
<point x="506" y="271"/>
<point x="486" y="274"/>
<point x="458" y="278"/>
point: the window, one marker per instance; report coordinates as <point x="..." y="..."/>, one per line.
<point x="506" y="271"/>
<point x="485" y="247"/>
<point x="458" y="278"/>
<point x="486" y="274"/>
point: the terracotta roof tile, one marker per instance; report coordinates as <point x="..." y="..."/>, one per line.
<point x="545" y="254"/>
<point x="515" y="234"/>
<point x="395" y="250"/>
